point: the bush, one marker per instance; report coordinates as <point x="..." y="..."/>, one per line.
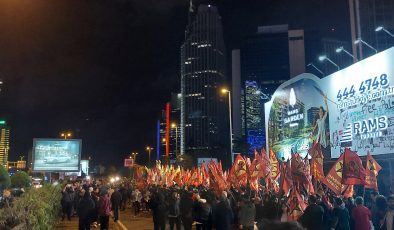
<point x="4" y="179"/>
<point x="20" y="180"/>
<point x="35" y="209"/>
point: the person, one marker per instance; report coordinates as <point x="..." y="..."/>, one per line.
<point x="246" y="215"/>
<point x="125" y="197"/>
<point x="84" y="210"/>
<point x="340" y="216"/>
<point x="259" y="209"/>
<point x="137" y="197"/>
<point x="202" y="213"/>
<point x="321" y="125"/>
<point x="173" y="212"/>
<point x="361" y="215"/>
<point x="116" y="200"/>
<point x="104" y="210"/>
<point x="186" y="208"/>
<point x="388" y="221"/>
<point x="312" y="219"/>
<point x="349" y="203"/>
<point x="158" y="206"/>
<point x="67" y="201"/>
<point x="380" y="211"/>
<point x="223" y="214"/>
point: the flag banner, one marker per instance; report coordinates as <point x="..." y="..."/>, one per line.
<point x="353" y="171"/>
<point x="347" y="191"/>
<point x="265" y="162"/>
<point x="274" y="165"/>
<point x="297" y="206"/>
<point x="334" y="177"/>
<point x="286" y="178"/>
<point x="317" y="162"/>
<point x="298" y="169"/>
<point x="371" y="171"/>
<point x="238" y="173"/>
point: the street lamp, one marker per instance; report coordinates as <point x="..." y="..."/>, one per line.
<point x="149" y="149"/>
<point x="66" y="135"/>
<point x="340" y="49"/>
<point x="174" y="126"/>
<point x="324" y="57"/>
<point x="312" y="65"/>
<point x="224" y="91"/>
<point x="359" y="40"/>
<point x="381" y="28"/>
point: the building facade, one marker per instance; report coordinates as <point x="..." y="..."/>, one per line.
<point x="265" y="60"/>
<point x="4" y="143"/>
<point x="203" y="114"/>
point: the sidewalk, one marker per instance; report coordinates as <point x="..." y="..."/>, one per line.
<point x="73" y="224"/>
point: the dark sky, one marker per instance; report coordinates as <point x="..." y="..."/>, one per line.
<point x="105" y="68"/>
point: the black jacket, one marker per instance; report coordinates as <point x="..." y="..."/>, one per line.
<point x="116" y="198"/>
<point x="312" y="219"/>
<point x="85" y="207"/>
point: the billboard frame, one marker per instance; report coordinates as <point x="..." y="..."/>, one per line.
<point x="55" y="139"/>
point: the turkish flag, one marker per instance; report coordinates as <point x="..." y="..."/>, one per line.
<point x="371" y="171"/>
<point x="353" y="171"/>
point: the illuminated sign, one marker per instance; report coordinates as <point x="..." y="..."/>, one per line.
<point x="56" y="155"/>
<point x="353" y="108"/>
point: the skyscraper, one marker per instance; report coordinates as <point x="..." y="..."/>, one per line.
<point x="365" y="17"/>
<point x="203" y="115"/>
<point x="4" y="143"/>
<point x="265" y="60"/>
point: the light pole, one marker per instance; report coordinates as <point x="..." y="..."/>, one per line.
<point x="341" y="49"/>
<point x="381" y="28"/>
<point x="149" y="149"/>
<point x="133" y="156"/>
<point x="231" y="125"/>
<point x="324" y="57"/>
<point x="66" y="135"/>
<point x="359" y="40"/>
<point x="318" y="70"/>
<point x="174" y="126"/>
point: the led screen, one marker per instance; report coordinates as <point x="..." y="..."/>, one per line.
<point x="56" y="155"/>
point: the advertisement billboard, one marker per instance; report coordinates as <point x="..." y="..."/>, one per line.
<point x="84" y="169"/>
<point x="56" y="155"/>
<point x="128" y="162"/>
<point x="353" y="108"/>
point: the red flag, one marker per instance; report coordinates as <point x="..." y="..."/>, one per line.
<point x="216" y="178"/>
<point x="205" y="175"/>
<point x="317" y="161"/>
<point x="298" y="169"/>
<point x="297" y="206"/>
<point x="274" y="165"/>
<point x="286" y="178"/>
<point x="334" y="176"/>
<point x="238" y="173"/>
<point x="265" y="163"/>
<point x="353" y="170"/>
<point x="348" y="190"/>
<point x="372" y="171"/>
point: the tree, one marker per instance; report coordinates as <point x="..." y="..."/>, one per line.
<point x="5" y="181"/>
<point x="20" y="180"/>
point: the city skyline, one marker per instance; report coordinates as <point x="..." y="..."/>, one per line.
<point x="105" y="70"/>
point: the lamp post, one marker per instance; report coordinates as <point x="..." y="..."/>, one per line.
<point x="381" y="28"/>
<point x="149" y="149"/>
<point x="231" y="125"/>
<point x="341" y="49"/>
<point x="66" y="135"/>
<point x="174" y="126"/>
<point x="324" y="57"/>
<point x="359" y="40"/>
<point x="133" y="156"/>
<point x="312" y="65"/>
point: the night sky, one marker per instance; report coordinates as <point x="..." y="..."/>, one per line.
<point x="104" y="69"/>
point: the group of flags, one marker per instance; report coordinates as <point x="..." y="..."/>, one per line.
<point x="291" y="177"/>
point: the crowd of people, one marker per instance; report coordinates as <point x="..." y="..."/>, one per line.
<point x="182" y="208"/>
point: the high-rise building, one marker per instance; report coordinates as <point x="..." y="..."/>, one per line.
<point x="265" y="60"/>
<point x="203" y="110"/>
<point x="4" y="143"/>
<point x="365" y="17"/>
